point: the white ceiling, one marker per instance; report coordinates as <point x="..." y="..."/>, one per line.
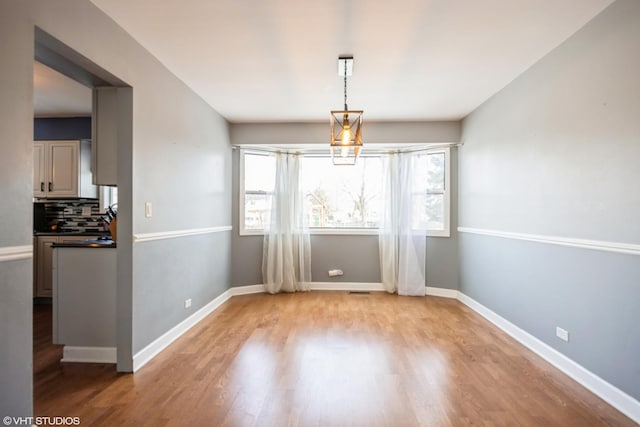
<point x="276" y="60"/>
<point x="56" y="95"/>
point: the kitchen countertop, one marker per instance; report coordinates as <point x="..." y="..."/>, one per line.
<point x="93" y="243"/>
<point x="71" y="233"/>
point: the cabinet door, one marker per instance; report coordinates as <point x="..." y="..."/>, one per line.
<point x="63" y="169"/>
<point x="44" y="282"/>
<point x="39" y="158"/>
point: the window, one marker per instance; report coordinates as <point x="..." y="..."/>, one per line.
<point x="257" y="177"/>
<point x="341" y="197"/>
<point x="430" y="192"/>
<point x="345" y="199"/>
<point x="108" y="196"/>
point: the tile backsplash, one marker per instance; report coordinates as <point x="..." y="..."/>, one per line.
<point x="80" y="215"/>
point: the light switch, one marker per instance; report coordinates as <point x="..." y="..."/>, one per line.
<point x="147" y="209"/>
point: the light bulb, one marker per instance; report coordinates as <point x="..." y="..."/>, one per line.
<point x="346" y="136"/>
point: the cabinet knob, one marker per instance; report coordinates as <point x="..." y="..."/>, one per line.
<point x="42" y="186"/>
<point x="50" y="187"/>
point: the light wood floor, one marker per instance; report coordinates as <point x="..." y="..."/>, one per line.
<point x="323" y="359"/>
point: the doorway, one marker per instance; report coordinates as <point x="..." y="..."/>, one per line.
<point x="64" y="60"/>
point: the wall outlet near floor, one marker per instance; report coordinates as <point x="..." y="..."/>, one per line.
<point x="336" y="272"/>
<point x="562" y="334"/>
<point x="147" y="209"/>
<point x="187" y="303"/>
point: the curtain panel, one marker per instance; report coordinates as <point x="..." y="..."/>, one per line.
<point x="286" y="256"/>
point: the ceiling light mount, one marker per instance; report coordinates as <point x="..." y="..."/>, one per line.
<point x="346" y="125"/>
<point x="345" y="66"/>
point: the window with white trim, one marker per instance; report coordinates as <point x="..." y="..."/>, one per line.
<point x="257" y="177"/>
<point x="431" y="192"/>
<point x="344" y="199"/>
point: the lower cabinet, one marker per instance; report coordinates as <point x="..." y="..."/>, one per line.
<point x="43" y="259"/>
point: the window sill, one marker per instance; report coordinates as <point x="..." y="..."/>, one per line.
<point x="345" y="232"/>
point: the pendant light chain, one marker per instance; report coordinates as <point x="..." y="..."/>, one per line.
<point x="345" y="85"/>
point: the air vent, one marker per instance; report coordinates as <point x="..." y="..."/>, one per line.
<point x="359" y="292"/>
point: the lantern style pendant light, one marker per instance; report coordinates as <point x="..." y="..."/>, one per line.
<point x="346" y="125"/>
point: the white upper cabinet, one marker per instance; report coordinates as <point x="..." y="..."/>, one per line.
<point x="62" y="169"/>
<point x="39" y="179"/>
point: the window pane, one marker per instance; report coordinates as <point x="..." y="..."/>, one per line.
<point x="435" y="172"/>
<point x="259" y="178"/>
<point x="257" y="211"/>
<point x="259" y="172"/>
<point x="419" y="219"/>
<point x="434" y="207"/>
<point x="341" y="196"/>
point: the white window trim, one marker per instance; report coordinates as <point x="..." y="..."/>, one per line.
<point x="242" y="229"/>
<point x="446" y="232"/>
<point x="350" y="231"/>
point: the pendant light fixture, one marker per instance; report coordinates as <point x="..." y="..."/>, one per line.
<point x="346" y="125"/>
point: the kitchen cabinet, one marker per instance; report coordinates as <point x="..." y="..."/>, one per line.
<point x="62" y="169"/>
<point x="84" y="311"/>
<point x="43" y="260"/>
<point x="43" y="255"/>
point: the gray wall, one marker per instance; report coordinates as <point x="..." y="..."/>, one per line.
<point x="199" y="269"/>
<point x="178" y="157"/>
<point x="556" y="153"/>
<point x="329" y="251"/>
<point x="16" y="281"/>
<point x="317" y="133"/>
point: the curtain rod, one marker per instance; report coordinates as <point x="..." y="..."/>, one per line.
<point x="365" y="150"/>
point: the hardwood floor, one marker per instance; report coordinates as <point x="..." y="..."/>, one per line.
<point x="323" y="359"/>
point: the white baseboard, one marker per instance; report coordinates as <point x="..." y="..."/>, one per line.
<point x="347" y="286"/>
<point x="442" y="292"/>
<point x="316" y="286"/>
<point x="607" y="392"/>
<point x="248" y="289"/>
<point x="89" y="354"/>
<point x="142" y="357"/>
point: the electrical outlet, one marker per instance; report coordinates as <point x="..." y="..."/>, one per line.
<point x="336" y="272"/>
<point x="562" y="334"/>
<point x="86" y="211"/>
<point x="147" y="209"/>
<point x="187" y="303"/>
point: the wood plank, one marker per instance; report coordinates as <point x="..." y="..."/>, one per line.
<point x="323" y="359"/>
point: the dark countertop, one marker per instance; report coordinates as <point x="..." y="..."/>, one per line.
<point x="71" y="233"/>
<point x="86" y="244"/>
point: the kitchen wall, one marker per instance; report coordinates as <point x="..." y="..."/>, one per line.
<point x="57" y="128"/>
<point x="69" y="215"/>
<point x="176" y="154"/>
<point x="555" y="154"/>
<point x="330" y="251"/>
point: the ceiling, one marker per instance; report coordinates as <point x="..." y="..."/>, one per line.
<point x="56" y="95"/>
<point x="276" y="60"/>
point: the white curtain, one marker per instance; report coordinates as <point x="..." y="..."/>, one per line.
<point x="402" y="249"/>
<point x="286" y="256"/>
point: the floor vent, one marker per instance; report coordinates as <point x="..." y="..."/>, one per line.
<point x="360" y="292"/>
